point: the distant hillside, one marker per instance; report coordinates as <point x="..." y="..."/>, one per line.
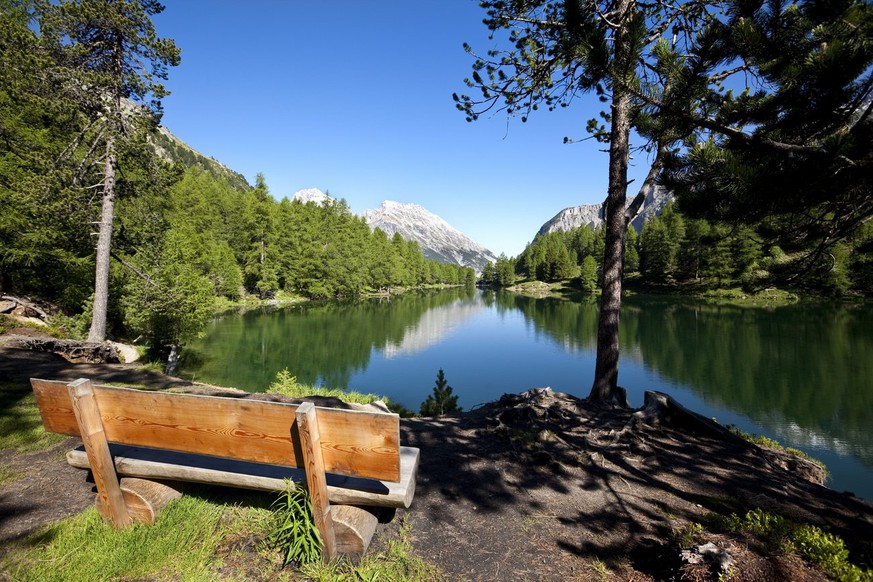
<point x="170" y="147"/>
<point x="591" y="215"/>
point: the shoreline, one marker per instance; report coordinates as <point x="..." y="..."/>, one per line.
<point x="550" y="482"/>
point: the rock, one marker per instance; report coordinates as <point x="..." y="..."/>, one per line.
<point x="126" y="352"/>
<point x="711" y="554"/>
<point x="7" y="306"/>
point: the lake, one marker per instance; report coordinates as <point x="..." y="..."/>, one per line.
<point x="802" y="374"/>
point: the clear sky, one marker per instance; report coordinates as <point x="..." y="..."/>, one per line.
<point x="354" y="97"/>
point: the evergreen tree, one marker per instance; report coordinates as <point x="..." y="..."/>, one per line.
<point x="791" y="154"/>
<point x="44" y="226"/>
<point x="109" y="53"/>
<point x="488" y="277"/>
<point x="441" y="401"/>
<point x="655" y="251"/>
<point x="631" y="251"/>
<point x="588" y="276"/>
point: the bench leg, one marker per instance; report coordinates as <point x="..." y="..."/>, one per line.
<point x="355" y="527"/>
<point x="144" y="499"/>
<point x="109" y="494"/>
<point x="316" y="481"/>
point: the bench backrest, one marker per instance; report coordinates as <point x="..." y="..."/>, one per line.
<point x="354" y="443"/>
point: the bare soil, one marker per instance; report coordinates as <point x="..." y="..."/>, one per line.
<point x="537" y="486"/>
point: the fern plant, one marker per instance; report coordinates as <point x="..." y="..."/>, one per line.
<point x="294" y="530"/>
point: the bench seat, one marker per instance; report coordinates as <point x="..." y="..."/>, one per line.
<point x="149" y="463"/>
<point x="138" y="443"/>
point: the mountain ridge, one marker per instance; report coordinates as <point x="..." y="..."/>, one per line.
<point x="438" y="240"/>
<point x="591" y="215"/>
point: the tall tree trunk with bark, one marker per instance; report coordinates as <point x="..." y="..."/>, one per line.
<point x="97" y="333"/>
<point x="605" y="385"/>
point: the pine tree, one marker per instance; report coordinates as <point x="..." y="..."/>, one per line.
<point x="441" y="401"/>
<point x="790" y="155"/>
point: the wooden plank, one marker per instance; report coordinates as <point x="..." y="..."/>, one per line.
<point x="310" y="440"/>
<point x="157" y="464"/>
<point x="109" y="495"/>
<point x="355" y="443"/>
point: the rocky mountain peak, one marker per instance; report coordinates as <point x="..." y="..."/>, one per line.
<point x="591" y="215"/>
<point x="437" y="238"/>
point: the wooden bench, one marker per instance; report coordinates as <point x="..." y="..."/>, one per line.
<point x="134" y="441"/>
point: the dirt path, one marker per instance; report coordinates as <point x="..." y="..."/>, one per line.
<point x="540" y="486"/>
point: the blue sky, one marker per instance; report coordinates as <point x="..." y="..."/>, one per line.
<point x="355" y="98"/>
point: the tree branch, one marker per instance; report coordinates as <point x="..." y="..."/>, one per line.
<point x="648" y="184"/>
<point x="135" y="271"/>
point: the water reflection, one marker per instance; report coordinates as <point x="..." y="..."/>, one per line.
<point x="320" y="344"/>
<point x="434" y="326"/>
<point x="801" y="374"/>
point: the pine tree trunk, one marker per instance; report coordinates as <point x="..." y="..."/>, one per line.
<point x="97" y="333"/>
<point x="605" y="386"/>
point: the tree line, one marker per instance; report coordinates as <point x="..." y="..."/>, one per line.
<point x="82" y="166"/>
<point x="674" y="249"/>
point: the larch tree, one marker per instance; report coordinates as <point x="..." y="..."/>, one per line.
<point x="110" y="62"/>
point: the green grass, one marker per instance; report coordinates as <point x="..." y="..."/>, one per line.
<point x="20" y="423"/>
<point x="7" y="474"/>
<point x="180" y="545"/>
<point x="397" y="563"/>
<point x="198" y="537"/>
<point x="287" y="385"/>
<point x="762" y="298"/>
<point x="767" y="442"/>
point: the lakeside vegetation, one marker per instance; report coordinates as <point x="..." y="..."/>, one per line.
<point x="674" y="254"/>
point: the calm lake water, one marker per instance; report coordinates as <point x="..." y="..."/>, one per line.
<point x="801" y="374"/>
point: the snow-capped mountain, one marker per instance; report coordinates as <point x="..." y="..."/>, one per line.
<point x="438" y="240"/>
<point x="591" y="215"/>
<point x="311" y="195"/>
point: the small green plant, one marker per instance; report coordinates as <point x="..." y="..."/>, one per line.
<point x="441" y="401"/>
<point x="294" y="531"/>
<point x="820" y="548"/>
<point x="687" y="534"/>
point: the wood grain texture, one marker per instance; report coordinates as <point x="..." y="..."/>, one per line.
<point x="354" y="527"/>
<point x="310" y="441"/>
<point x="87" y="414"/>
<point x="355" y="443"/>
